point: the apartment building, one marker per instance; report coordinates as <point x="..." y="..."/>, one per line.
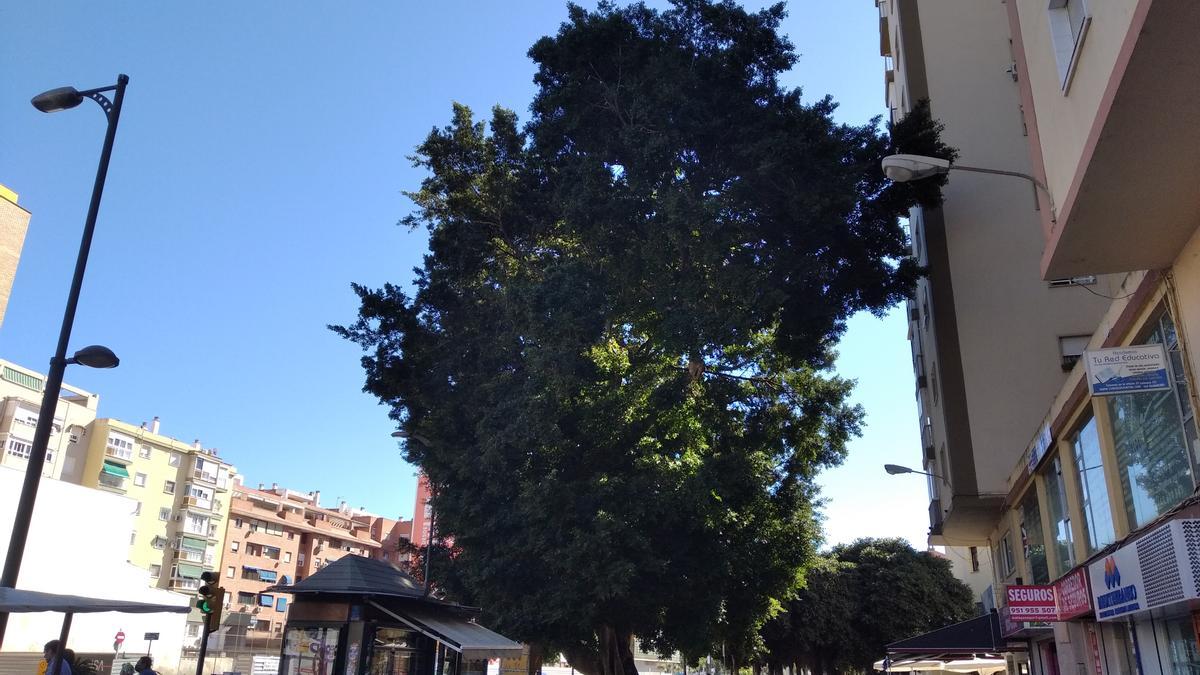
<point x="20" y="403"/>
<point x="181" y="494"/>
<point x="1099" y="502"/>
<point x="279" y="536"/>
<point x="392" y="534"/>
<point x="14" y="222"/>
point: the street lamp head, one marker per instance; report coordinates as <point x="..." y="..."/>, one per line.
<point x="905" y="168"/>
<point x="57" y="99"/>
<point x="95" y="356"/>
<point x="894" y="469"/>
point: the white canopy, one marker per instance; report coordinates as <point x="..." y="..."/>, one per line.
<point x="17" y="600"/>
<point x="973" y="665"/>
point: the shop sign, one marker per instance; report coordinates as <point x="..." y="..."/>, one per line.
<point x="1011" y="627"/>
<point x="1126" y="370"/>
<point x="1031" y="603"/>
<point x="1040" y="445"/>
<point x="1094" y="642"/>
<point x="1071" y="596"/>
<point x="1161" y="568"/>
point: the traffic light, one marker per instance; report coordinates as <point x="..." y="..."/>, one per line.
<point x="211" y="601"/>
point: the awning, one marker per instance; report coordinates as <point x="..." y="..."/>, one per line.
<point x="983" y="666"/>
<point x="190" y="571"/>
<point x="193" y="543"/>
<point x="980" y="635"/>
<point x="267" y="575"/>
<point x="114" y="469"/>
<point x="19" y="600"/>
<point x="465" y="637"/>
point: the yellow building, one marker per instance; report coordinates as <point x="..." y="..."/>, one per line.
<point x="182" y="493"/>
<point x="14" y="221"/>
<point x="20" y="400"/>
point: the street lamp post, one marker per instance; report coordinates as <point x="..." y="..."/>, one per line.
<point x="894" y="469"/>
<point x="429" y="540"/>
<point x="95" y="356"/>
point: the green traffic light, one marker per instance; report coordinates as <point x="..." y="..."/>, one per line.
<point x="204" y="606"/>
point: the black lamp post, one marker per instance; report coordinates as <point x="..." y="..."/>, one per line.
<point x="93" y="357"/>
<point x="429" y="541"/>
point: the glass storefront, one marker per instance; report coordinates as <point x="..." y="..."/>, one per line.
<point x="1032" y="541"/>
<point x="1152" y="441"/>
<point x="1183" y="654"/>
<point x="1060" y="519"/>
<point x="1093" y="497"/>
<point x="394" y="651"/>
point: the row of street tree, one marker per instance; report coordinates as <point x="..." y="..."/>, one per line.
<point x="616" y="368"/>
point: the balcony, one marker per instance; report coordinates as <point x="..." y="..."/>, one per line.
<point x="113" y="476"/>
<point x="1130" y="201"/>
<point x="197" y="504"/>
<point x="122" y="455"/>
<point x="184" y="584"/>
<point x="935" y="518"/>
<point x="204" y="477"/>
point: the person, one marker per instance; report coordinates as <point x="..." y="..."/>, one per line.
<point x="145" y="666"/>
<point x="50" y="652"/>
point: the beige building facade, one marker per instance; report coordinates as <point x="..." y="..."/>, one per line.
<point x="20" y="403"/>
<point x="1098" y="486"/>
<point x="14" y="223"/>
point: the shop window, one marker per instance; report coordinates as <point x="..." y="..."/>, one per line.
<point x="1061" y="535"/>
<point x="1093" y="491"/>
<point x="310" y="650"/>
<point x="1181" y="645"/>
<point x="1149" y="437"/>
<point x="1033" y="544"/>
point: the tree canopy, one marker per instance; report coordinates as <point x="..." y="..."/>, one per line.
<point x="861" y="597"/>
<point x="616" y="367"/>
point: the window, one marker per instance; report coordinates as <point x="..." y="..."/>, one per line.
<point x="119" y="446"/>
<point x="156" y="571"/>
<point x="169" y="487"/>
<point x="245" y="598"/>
<point x="139" y="479"/>
<point x="164" y="513"/>
<point x="266" y="600"/>
<point x="159" y="543"/>
<point x="1007" y="561"/>
<point x="173" y="459"/>
<point x="144" y="452"/>
<point x="291" y="535"/>
<point x="1061" y="535"/>
<point x="18" y="448"/>
<point x="287" y="556"/>
<point x="974" y="558"/>
<point x="237" y="522"/>
<point x="1093" y="497"/>
<point x="230" y="571"/>
<point x="1069" y="22"/>
<point x="281" y="604"/>
<point x="132" y="537"/>
<point x="233" y="546"/>
<point x="193" y="630"/>
<point x="1033" y="544"/>
<point x="264" y="625"/>
<point x="1152" y="439"/>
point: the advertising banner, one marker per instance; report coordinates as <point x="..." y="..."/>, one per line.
<point x="1126" y="370"/>
<point x="1161" y="568"/>
<point x="1031" y="603"/>
<point x="1071" y="595"/>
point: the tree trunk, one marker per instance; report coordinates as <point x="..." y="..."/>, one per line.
<point x="536" y="654"/>
<point x="616" y="651"/>
<point x="583" y="659"/>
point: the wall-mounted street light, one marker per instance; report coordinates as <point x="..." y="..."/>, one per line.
<point x="895" y="469"/>
<point x="406" y="435"/>
<point x="94" y="356"/>
<point x="905" y="168"/>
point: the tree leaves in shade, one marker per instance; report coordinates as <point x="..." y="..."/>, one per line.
<point x="861" y="597"/>
<point x="615" y="368"/>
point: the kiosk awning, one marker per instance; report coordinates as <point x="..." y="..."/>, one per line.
<point x="465" y="637"/>
<point x="980" y="635"/>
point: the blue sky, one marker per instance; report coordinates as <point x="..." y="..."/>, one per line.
<point x="258" y="171"/>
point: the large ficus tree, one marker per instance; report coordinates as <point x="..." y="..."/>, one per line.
<point x="615" y="369"/>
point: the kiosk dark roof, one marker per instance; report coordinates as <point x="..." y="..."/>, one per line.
<point x="356" y="575"/>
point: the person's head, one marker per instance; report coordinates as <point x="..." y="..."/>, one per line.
<point x="50" y="650"/>
<point x="144" y="663"/>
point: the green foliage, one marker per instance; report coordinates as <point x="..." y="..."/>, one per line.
<point x="861" y="597"/>
<point x="616" y="366"/>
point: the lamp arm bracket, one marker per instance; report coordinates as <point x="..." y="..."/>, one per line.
<point x="101" y="99"/>
<point x="1001" y="172"/>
